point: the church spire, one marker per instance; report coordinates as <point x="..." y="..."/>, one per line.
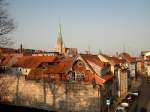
<point x="60" y="29"/>
<point x="61" y="39"/>
<point x="59" y="43"/>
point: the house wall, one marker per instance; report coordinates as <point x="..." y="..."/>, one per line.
<point x="132" y="69"/>
<point x="20" y="70"/>
<point x="61" y="96"/>
<point x="139" y="67"/>
<point x="122" y="82"/>
<point x="145" y="66"/>
<point x="115" y="83"/>
<point x="25" y="71"/>
<point x="148" y="70"/>
<point x="16" y="70"/>
<point x="119" y="82"/>
<point x="112" y="68"/>
<point x="147" y="54"/>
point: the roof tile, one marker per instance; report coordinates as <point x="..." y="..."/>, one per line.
<point x="33" y="61"/>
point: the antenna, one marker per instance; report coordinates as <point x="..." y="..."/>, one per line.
<point x="89" y="49"/>
<point x="99" y="51"/>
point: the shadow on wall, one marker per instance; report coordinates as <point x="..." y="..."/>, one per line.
<point x="4" y="87"/>
<point x="31" y="101"/>
<point x="61" y="96"/>
<point x="93" y="105"/>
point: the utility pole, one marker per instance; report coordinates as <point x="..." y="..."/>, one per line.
<point x="124" y="48"/>
<point x="108" y="108"/>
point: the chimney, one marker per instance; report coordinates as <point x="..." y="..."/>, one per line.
<point x="117" y="54"/>
<point x="87" y="52"/>
<point x="21" y="49"/>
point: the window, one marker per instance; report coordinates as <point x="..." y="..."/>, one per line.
<point x="82" y="75"/>
<point x="73" y="76"/>
<point x="80" y="63"/>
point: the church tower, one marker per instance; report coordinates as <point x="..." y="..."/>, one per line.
<point x="59" y="43"/>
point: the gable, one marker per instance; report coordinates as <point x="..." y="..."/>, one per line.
<point x="85" y="63"/>
<point x="103" y="59"/>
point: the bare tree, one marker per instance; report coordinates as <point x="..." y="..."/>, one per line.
<point x="6" y="25"/>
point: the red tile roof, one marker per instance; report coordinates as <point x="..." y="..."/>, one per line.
<point x="107" y="77"/>
<point x="7" y="50"/>
<point x="92" y="58"/>
<point x="95" y="59"/>
<point x="60" y="66"/>
<point x="113" y="59"/>
<point x="6" y="60"/>
<point x="101" y="80"/>
<point x="37" y="73"/>
<point x="117" y="60"/>
<point x="106" y="56"/>
<point x="33" y="61"/>
<point x="127" y="57"/>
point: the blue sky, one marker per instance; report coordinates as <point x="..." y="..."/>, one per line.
<point x="105" y="25"/>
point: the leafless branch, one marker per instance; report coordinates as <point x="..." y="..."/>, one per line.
<point x="6" y="25"/>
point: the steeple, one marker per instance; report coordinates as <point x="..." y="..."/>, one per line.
<point x="59" y="43"/>
<point x="60" y="34"/>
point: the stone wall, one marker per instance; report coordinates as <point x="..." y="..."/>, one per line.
<point x="60" y="96"/>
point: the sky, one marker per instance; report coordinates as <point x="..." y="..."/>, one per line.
<point x="108" y="26"/>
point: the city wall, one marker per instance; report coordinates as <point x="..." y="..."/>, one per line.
<point x="58" y="96"/>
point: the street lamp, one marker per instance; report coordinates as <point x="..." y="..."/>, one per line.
<point x="108" y="103"/>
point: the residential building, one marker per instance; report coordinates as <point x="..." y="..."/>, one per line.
<point x="145" y="57"/>
<point x="139" y="65"/>
<point x="7" y="61"/>
<point x="25" y="64"/>
<point x="57" y="70"/>
<point x="71" y="52"/>
<point x="119" y="70"/>
<point x="90" y="68"/>
<point x="130" y="62"/>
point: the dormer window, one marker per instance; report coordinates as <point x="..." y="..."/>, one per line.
<point x="80" y="64"/>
